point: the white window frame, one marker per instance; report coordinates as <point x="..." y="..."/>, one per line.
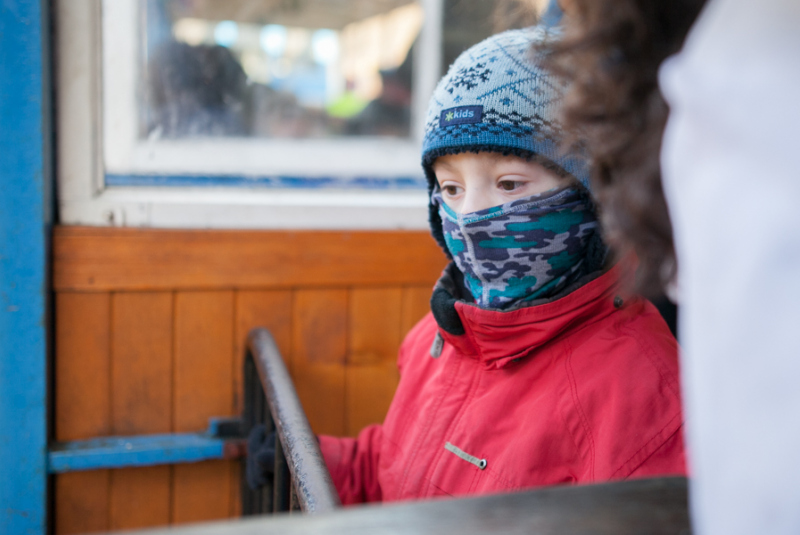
<point x="84" y="198"/>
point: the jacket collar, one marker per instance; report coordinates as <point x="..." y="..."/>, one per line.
<point x="496" y="338"/>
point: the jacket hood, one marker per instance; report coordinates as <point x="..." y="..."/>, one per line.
<point x="497" y="338"/>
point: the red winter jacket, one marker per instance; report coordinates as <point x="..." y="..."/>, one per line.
<point x="573" y="391"/>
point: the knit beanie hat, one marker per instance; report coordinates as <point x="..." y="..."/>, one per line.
<point x="496" y="97"/>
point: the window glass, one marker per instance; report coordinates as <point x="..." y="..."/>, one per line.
<point x="279" y="93"/>
<point x="276" y="68"/>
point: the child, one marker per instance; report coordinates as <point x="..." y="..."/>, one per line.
<point x="532" y="369"/>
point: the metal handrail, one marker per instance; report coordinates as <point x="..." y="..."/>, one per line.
<point x="309" y="486"/>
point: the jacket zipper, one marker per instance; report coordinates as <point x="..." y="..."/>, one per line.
<point x="480" y="463"/>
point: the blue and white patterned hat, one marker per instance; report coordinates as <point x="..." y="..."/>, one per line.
<point x="496" y="97"/>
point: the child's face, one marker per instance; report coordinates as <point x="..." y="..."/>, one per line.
<point x="472" y="182"/>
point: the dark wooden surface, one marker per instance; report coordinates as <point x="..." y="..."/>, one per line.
<point x="653" y="507"/>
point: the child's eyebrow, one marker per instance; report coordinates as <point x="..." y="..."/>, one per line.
<point x="442" y="165"/>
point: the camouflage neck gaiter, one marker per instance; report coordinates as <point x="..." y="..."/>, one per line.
<point x="528" y="249"/>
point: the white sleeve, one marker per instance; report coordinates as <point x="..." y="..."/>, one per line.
<point x="730" y="164"/>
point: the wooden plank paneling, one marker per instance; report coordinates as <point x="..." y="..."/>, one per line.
<point x="204" y="323"/>
<point x="141" y="377"/>
<point x="141" y="369"/>
<point x="94" y="258"/>
<point x="319" y="345"/>
<point x="140" y="497"/>
<point x="81" y="502"/>
<point x="203" y="351"/>
<point x="82" y="365"/>
<point x="270" y="309"/>
<point x="371" y="372"/>
<point x="201" y="492"/>
<point x="156" y="320"/>
<point x="82" y="405"/>
<point x="416" y="303"/>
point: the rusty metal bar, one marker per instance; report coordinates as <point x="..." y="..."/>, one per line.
<point x="309" y="475"/>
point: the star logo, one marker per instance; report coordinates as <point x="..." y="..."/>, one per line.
<point x="449" y="116"/>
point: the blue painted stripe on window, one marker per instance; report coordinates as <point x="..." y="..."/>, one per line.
<point x="144" y="450"/>
<point x="25" y="182"/>
<point x="283" y="182"/>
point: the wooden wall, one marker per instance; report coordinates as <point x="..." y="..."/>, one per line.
<point x="150" y="326"/>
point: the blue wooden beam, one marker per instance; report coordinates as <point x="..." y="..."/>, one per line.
<point x="145" y="450"/>
<point x="220" y="441"/>
<point x="25" y="211"/>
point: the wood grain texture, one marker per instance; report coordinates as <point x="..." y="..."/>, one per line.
<point x="141" y="369"/>
<point x="82" y="405"/>
<point x="81" y="502"/>
<point x="150" y="334"/>
<point x="416" y="303"/>
<point x="270" y="309"/>
<point x="204" y="324"/>
<point x="203" y="350"/>
<point x="141" y="378"/>
<point x="82" y="365"/>
<point x="201" y="492"/>
<point x="319" y="342"/>
<point x="374" y="327"/>
<point x="140" y="497"/>
<point x="371" y="372"/>
<point x="94" y="258"/>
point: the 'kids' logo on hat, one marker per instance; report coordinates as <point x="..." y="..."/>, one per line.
<point x="461" y="115"/>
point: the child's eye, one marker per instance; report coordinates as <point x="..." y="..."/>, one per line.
<point x="450" y="190"/>
<point x="509" y="185"/>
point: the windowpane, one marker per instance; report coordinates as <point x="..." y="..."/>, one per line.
<point x="276" y="68"/>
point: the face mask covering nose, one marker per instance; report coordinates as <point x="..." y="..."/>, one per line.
<point x="527" y="249"/>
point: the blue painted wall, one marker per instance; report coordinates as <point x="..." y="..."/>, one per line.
<point x="25" y="209"/>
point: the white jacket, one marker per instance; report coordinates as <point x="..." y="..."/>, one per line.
<point x="731" y="163"/>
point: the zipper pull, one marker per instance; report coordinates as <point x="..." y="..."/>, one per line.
<point x="437" y="346"/>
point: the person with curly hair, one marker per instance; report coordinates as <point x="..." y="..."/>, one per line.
<point x="691" y="120"/>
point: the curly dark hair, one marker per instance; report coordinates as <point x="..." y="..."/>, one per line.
<point x="610" y="56"/>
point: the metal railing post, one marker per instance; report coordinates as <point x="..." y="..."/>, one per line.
<point x="301" y="479"/>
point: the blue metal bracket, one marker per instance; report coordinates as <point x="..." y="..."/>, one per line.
<point x="220" y="441"/>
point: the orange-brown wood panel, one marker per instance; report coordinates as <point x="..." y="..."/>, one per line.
<point x="141" y="363"/>
<point x="203" y="351"/>
<point x="82" y="401"/>
<point x="270" y="309"/>
<point x="204" y="323"/>
<point x="319" y="345"/>
<point x="81" y="502"/>
<point x="141" y="391"/>
<point x="82" y="365"/>
<point x="371" y="373"/>
<point x="235" y="477"/>
<point x="151" y="318"/>
<point x="201" y="491"/>
<point x="140" y="497"/>
<point x="416" y="303"/>
<point x="92" y="258"/>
